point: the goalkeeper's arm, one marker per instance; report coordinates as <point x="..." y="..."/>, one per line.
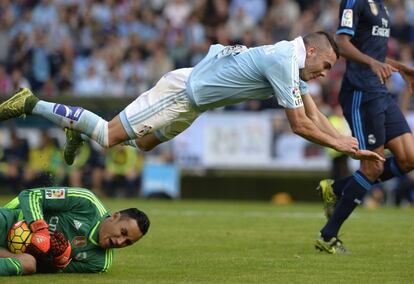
<point x="16" y="264"/>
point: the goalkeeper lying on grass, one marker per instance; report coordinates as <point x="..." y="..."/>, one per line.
<point x="71" y="231"/>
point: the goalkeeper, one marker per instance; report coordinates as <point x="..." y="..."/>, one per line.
<point x="71" y="231"/>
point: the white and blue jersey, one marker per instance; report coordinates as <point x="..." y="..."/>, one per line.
<point x="227" y="75"/>
<point x="232" y="74"/>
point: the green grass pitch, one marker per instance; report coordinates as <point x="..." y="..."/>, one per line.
<point x="243" y="242"/>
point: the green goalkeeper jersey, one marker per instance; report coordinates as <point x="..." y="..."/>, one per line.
<point x="76" y="212"/>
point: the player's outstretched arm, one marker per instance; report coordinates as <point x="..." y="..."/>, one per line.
<point x="16" y="264"/>
<point x="303" y="126"/>
<point x="367" y="155"/>
<point x="306" y="128"/>
<point x="318" y="118"/>
<point x="407" y="72"/>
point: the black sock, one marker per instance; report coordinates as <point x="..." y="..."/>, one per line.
<point x="353" y="193"/>
<point x="340" y="184"/>
<point x="391" y="169"/>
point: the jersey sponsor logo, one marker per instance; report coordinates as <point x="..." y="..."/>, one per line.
<point x="54" y="221"/>
<point x="347" y="16"/>
<point x="77" y="224"/>
<point x="373" y="7"/>
<point x="70" y="112"/>
<point x="380" y="31"/>
<point x="79" y="241"/>
<point x="55" y="193"/>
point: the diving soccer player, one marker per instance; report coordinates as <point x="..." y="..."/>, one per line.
<point x="227" y="75"/>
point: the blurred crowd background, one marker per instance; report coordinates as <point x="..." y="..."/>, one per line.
<point x="120" y="48"/>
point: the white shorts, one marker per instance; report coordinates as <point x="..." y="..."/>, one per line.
<point x="164" y="110"/>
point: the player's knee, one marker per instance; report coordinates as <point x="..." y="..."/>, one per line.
<point x="110" y="144"/>
<point x="406" y="163"/>
<point x="28" y="263"/>
<point x="143" y="146"/>
<point x="148" y="142"/>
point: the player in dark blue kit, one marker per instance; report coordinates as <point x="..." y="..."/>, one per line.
<point x="375" y="119"/>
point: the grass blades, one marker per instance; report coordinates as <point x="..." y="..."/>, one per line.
<point x="243" y="242"/>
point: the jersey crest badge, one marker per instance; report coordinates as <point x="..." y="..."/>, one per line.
<point x="145" y="130"/>
<point x="347" y="18"/>
<point x="81" y="256"/>
<point x="79" y="241"/>
<point x="371" y="139"/>
<point x="55" y="193"/>
<point x="373" y="7"/>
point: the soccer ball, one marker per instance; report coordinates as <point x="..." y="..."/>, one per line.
<point x="19" y="237"/>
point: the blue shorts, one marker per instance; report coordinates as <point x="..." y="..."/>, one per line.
<point x="373" y="118"/>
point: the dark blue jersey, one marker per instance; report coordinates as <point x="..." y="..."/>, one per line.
<point x="367" y="22"/>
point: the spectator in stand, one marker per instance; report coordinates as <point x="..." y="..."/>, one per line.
<point x="85" y="31"/>
<point x="39" y="61"/>
<point x="158" y="64"/>
<point x="44" y="166"/>
<point x="123" y="168"/>
<point x="91" y="85"/>
<point x="18" y="80"/>
<point x="13" y="161"/>
<point x="177" y="12"/>
<point x="5" y="81"/>
<point x="254" y="9"/>
<point x="196" y="37"/>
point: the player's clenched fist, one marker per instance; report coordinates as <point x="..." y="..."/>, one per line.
<point x="40" y="236"/>
<point x="60" y="250"/>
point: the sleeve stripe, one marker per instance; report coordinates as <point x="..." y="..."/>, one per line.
<point x="17" y="265"/>
<point x="101" y="210"/>
<point x="345" y="31"/>
<point x="91" y="197"/>
<point x="12" y="204"/>
<point x="350" y="4"/>
<point x="108" y="259"/>
<point x="90" y="194"/>
<point x="34" y="202"/>
<point x="37" y="204"/>
<point x="32" y="205"/>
